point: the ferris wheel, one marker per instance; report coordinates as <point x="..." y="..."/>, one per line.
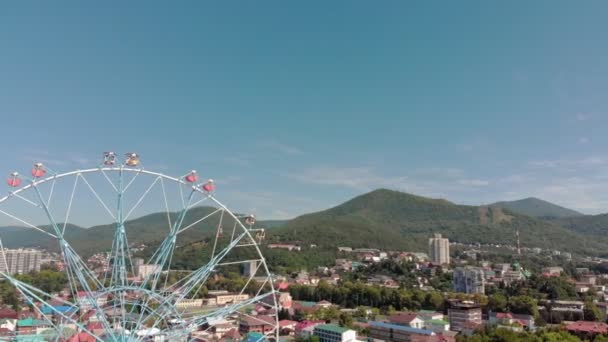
<point x="201" y="269"/>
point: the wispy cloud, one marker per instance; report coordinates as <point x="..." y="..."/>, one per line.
<point x="583" y="140"/>
<point x="473" y="182"/>
<point x="239" y="162"/>
<point x="357" y="178"/>
<point x="583" y="116"/>
<point x="280" y="147"/>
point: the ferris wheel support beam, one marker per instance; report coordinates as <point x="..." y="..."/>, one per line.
<point x="166" y="249"/>
<point x="73" y="262"/>
<point x="197" y="277"/>
<point x="33" y="295"/>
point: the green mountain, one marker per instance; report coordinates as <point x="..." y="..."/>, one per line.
<point x="149" y="229"/>
<point x="593" y="225"/>
<point x="536" y="207"/>
<point x="395" y="220"/>
<point x="380" y="219"/>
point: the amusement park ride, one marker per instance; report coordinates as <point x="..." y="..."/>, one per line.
<point x="149" y="307"/>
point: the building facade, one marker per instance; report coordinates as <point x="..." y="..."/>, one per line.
<point x="469" y="280"/>
<point x="334" y="333"/>
<point x="19" y="261"/>
<point x="439" y="250"/>
<point x="463" y="314"/>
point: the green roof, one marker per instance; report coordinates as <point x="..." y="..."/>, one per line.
<point x="306" y="303"/>
<point x="332" y="328"/>
<point x="30" y="338"/>
<point x="437" y="322"/>
<point x="30" y="322"/>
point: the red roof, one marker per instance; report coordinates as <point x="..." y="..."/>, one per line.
<point x="82" y="337"/>
<point x="588" y="327"/>
<point x="233" y="334"/>
<point x="8" y="313"/>
<point x="94" y="325"/>
<point x="259" y="320"/>
<point x="403" y="318"/>
<point x="502" y="315"/>
<point x="286" y="322"/>
<point x="306" y="324"/>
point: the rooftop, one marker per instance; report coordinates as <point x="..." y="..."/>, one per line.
<point x="331" y="327"/>
<point x="587" y="326"/>
<point x="401" y="328"/>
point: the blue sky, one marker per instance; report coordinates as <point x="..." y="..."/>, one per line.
<point x="294" y="107"/>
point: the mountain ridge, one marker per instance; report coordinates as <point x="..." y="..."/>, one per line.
<point x="391" y="219"/>
<point x="537" y="207"/>
<point x="381" y="218"/>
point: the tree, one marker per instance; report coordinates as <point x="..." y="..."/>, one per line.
<point x="592" y="313"/>
<point x="284" y="314"/>
<point x="498" y="302"/>
<point x="346" y="320"/>
<point x="524" y="305"/>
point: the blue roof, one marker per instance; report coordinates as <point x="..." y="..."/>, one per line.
<point x="47" y="310"/>
<point x="401" y="328"/>
<point x="254" y="337"/>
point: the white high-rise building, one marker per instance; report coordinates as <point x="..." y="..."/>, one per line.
<point x="439" y="250"/>
<point x="19" y="261"/>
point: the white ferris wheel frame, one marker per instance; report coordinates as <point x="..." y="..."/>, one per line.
<point x="197" y="278"/>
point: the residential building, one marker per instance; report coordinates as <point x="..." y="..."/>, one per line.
<point x="286" y="246"/>
<point x="511" y="321"/>
<point x="469" y="280"/>
<point x="381" y="331"/>
<point x="19" y="261"/>
<point x="258" y="324"/>
<point x="222" y="297"/>
<point x="334" y="333"/>
<point x="552" y="271"/>
<point x="410" y="319"/>
<point x="189" y="303"/>
<point x="464" y="313"/>
<point x="145" y="270"/>
<point x="305" y="329"/>
<point x="439" y="250"/>
<point x="250" y="268"/>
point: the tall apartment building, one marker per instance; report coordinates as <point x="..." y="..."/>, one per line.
<point x="19" y="261"/>
<point x="439" y="250"/>
<point x="464" y="314"/>
<point x="469" y="280"/>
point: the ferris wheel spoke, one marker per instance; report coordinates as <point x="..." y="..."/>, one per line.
<point x="132" y="180"/>
<point x="200" y="220"/>
<point x="26" y="223"/>
<point x="193" y="322"/>
<point x="25" y="200"/>
<point x="202" y="273"/>
<point x="166" y="248"/>
<point x="197" y="277"/>
<point x="105" y="175"/>
<point x="34" y="295"/>
<point x="198" y="202"/>
<point x="141" y="198"/>
<point x="96" y="195"/>
<point x="69" y="209"/>
<point x="51" y="191"/>
<point x="166" y="202"/>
